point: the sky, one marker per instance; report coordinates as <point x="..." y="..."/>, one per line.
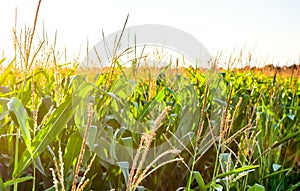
<point x="270" y="30"/>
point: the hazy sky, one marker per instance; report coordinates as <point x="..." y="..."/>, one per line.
<point x="272" y="28"/>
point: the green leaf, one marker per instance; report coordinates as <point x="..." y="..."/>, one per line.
<point x="294" y="186"/>
<point x="125" y="170"/>
<point x="92" y="137"/>
<point x="4" y="75"/>
<point x="17" y="180"/>
<point x="160" y="95"/>
<point x="72" y="151"/>
<point x="276" y="172"/>
<point x="236" y="171"/>
<point x="290" y="136"/>
<point x="128" y="143"/>
<point x="15" y="106"/>
<point x="3" y="107"/>
<point x="2" y="186"/>
<point x="226" y="162"/>
<point x="257" y="187"/>
<point x="199" y="180"/>
<point x="218" y="187"/>
<point x="39" y="166"/>
<point x="53" y="127"/>
<point x="151" y="103"/>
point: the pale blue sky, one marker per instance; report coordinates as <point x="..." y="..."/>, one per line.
<point x="271" y="27"/>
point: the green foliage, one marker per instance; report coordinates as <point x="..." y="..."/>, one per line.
<point x="256" y="187"/>
<point x="260" y="150"/>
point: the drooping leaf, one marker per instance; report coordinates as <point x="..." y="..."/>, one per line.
<point x="57" y="121"/>
<point x="15" y="106"/>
